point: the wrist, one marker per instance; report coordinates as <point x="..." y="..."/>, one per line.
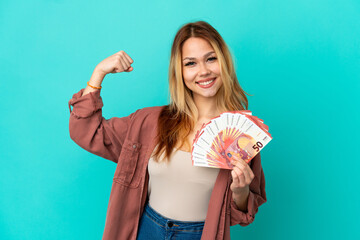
<point x="241" y="199"/>
<point x="97" y="77"/>
<point x="99" y="72"/>
<point x="241" y="191"/>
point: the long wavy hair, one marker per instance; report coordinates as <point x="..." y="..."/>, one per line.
<point x="177" y="119"/>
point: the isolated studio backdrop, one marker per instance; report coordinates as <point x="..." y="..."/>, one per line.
<point x="299" y="59"/>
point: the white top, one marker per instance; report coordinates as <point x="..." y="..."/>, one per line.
<point x="179" y="190"/>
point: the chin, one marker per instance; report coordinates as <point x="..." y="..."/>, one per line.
<point x="205" y="95"/>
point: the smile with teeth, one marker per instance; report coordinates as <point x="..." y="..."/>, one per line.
<point x="206" y="83"/>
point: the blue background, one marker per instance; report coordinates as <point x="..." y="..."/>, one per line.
<point x="299" y="59"/>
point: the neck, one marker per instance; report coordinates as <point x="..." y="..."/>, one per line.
<point x="206" y="107"/>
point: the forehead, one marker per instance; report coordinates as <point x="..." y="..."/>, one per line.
<point x="196" y="47"/>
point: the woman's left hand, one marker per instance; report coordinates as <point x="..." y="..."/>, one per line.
<point x="242" y="176"/>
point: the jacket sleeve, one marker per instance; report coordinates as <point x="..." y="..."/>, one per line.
<point x="257" y="196"/>
<point x="91" y="131"/>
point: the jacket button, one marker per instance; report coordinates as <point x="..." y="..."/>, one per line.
<point x="170" y="224"/>
<point x="134" y="146"/>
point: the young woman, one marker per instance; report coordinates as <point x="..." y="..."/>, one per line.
<point x="157" y="193"/>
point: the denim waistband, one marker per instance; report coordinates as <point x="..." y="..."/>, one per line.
<point x="172" y="223"/>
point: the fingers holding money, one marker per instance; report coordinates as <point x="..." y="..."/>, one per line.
<point x="242" y="173"/>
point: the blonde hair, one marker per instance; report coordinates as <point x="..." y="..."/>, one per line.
<point x="177" y="119"/>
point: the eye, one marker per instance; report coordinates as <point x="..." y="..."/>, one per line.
<point x="189" y="63"/>
<point x="192" y="63"/>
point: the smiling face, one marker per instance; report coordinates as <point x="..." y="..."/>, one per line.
<point x="200" y="68"/>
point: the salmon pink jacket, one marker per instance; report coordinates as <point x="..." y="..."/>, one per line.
<point x="128" y="142"/>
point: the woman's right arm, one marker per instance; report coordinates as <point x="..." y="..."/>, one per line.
<point x="88" y="128"/>
<point x="119" y="62"/>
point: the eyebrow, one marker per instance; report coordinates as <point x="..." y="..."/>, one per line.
<point x="207" y="54"/>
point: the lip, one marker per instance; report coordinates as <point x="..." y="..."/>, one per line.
<point x="205" y="80"/>
<point x="209" y="85"/>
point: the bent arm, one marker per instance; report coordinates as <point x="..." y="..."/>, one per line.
<point x="91" y="131"/>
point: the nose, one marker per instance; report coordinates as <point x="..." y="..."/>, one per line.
<point x="204" y="71"/>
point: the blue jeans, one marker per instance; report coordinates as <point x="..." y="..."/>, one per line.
<point x="152" y="225"/>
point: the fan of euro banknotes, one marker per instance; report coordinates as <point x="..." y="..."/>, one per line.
<point x="231" y="135"/>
